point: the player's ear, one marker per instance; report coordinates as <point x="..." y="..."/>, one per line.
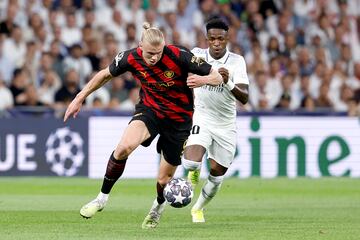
<point x="140" y="45"/>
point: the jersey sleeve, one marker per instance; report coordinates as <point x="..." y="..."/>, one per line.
<point x="193" y="63"/>
<point x="120" y="64"/>
<point x="240" y="74"/>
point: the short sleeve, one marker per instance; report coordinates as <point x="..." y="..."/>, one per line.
<point x="120" y="64"/>
<point x="240" y="74"/>
<point x="194" y="64"/>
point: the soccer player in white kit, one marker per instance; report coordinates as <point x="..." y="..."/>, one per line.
<point x="214" y="119"/>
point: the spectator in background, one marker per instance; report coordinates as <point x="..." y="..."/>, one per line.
<point x="324" y="101"/>
<point x="129" y="104"/>
<point x="57" y="57"/>
<point x="14" y="48"/>
<point x="7" y="26"/>
<point x="18" y="86"/>
<point x="6" y="97"/>
<point x="284" y="102"/>
<point x="71" y="33"/>
<point x="49" y="85"/>
<point x="346" y="97"/>
<point x="6" y="64"/>
<point x="117" y="26"/>
<point x="78" y="62"/>
<point x="259" y="97"/>
<point x="32" y="98"/>
<point x="100" y="98"/>
<point x="69" y="89"/>
<point x="93" y="54"/>
<point x="118" y="92"/>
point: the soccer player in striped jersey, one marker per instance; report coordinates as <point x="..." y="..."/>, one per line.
<point x="214" y="120"/>
<point x="165" y="108"/>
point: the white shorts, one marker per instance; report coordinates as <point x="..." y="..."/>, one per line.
<point x="219" y="141"/>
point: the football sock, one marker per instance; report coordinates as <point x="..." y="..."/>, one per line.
<point x="160" y="193"/>
<point x="190" y="165"/>
<point x="114" y="170"/>
<point x="103" y="197"/>
<point x="208" y="191"/>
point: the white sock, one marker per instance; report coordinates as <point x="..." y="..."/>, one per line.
<point x="208" y="191"/>
<point x="159" y="208"/>
<point x="190" y="165"/>
<point x="103" y="197"/>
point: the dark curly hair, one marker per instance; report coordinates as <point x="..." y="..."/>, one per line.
<point x="216" y="22"/>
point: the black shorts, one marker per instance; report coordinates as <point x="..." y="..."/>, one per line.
<point x="173" y="135"/>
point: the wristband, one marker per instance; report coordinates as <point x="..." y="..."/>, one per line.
<point x="230" y="85"/>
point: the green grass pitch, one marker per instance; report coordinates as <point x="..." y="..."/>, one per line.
<point x="271" y="209"/>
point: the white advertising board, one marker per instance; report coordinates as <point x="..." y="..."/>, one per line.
<point x="267" y="147"/>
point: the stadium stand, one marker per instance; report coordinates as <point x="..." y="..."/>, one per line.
<point x="302" y="56"/>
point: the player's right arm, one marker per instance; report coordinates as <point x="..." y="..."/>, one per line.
<point x="117" y="67"/>
<point x="203" y="72"/>
<point x="96" y="82"/>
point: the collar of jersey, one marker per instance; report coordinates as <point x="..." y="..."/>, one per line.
<point x="222" y="60"/>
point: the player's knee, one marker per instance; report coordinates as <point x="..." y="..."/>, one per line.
<point x="122" y="151"/>
<point x="163" y="179"/>
<point x="190" y="164"/>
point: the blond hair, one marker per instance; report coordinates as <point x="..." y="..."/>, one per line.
<point x="152" y="35"/>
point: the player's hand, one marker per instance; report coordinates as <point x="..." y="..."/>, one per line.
<point x="195" y="81"/>
<point x="73" y="109"/>
<point x="224" y="73"/>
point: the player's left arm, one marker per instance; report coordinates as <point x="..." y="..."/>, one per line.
<point x="239" y="84"/>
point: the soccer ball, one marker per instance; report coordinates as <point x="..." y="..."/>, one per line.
<point x="64" y="152"/>
<point x="178" y="192"/>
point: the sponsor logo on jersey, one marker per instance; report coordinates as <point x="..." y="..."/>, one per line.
<point x="160" y="86"/>
<point x="143" y="73"/>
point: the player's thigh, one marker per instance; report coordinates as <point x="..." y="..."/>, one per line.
<point x="135" y="133"/>
<point x="222" y="149"/>
<point x="200" y="135"/>
<point x="172" y="142"/>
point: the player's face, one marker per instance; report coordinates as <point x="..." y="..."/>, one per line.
<point x="217" y="39"/>
<point x="151" y="53"/>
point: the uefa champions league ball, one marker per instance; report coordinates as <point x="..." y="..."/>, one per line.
<point x="178" y="192"/>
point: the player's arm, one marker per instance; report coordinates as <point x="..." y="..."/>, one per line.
<point x="117" y="67"/>
<point x="203" y="72"/>
<point x="96" y="82"/>
<point x="239" y="90"/>
<point x="214" y="78"/>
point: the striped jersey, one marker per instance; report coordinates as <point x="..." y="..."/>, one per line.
<point x="216" y="103"/>
<point x="163" y="86"/>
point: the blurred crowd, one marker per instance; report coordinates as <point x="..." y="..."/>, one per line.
<point x="301" y="55"/>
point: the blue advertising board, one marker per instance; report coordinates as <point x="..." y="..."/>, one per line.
<point x="43" y="147"/>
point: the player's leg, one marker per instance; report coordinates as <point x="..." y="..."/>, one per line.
<point x="170" y="145"/>
<point x="221" y="154"/>
<point x="191" y="162"/>
<point x="135" y="133"/>
<point x="199" y="140"/>
<point x="166" y="172"/>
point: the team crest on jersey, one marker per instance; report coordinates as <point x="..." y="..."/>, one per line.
<point x="118" y="58"/>
<point x="169" y="74"/>
<point x="198" y="60"/>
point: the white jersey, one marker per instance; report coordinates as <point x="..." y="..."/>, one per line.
<point x="217" y="104"/>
